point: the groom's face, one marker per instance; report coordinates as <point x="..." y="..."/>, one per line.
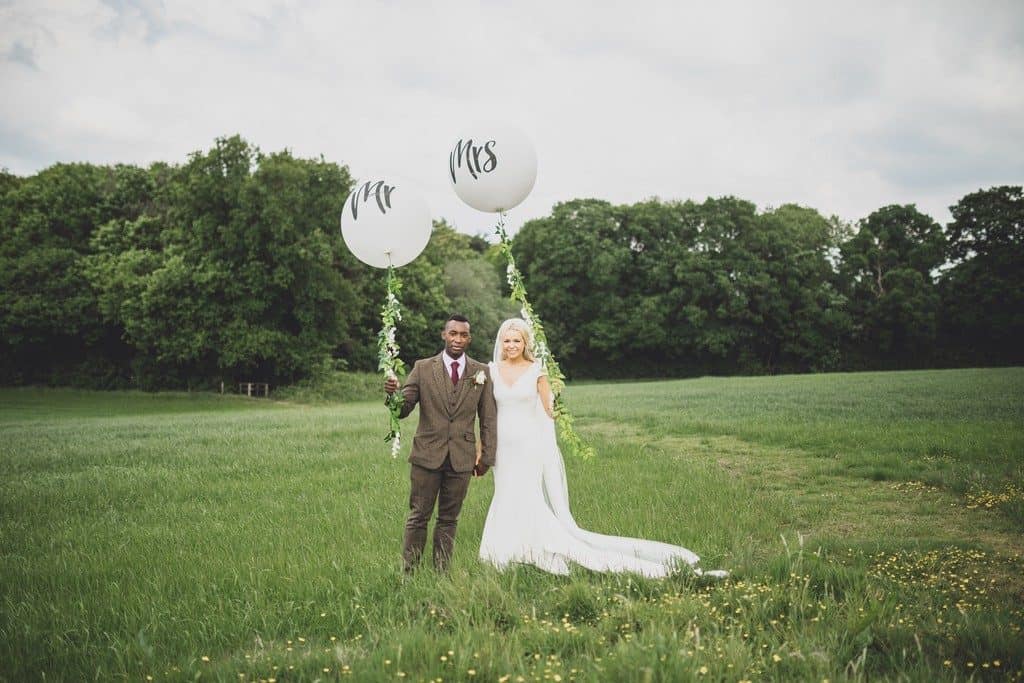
<point x="456" y="337"/>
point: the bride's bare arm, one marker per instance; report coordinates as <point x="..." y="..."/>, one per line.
<point x="544" y="389"/>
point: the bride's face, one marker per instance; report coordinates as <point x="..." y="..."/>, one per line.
<point x="512" y="345"/>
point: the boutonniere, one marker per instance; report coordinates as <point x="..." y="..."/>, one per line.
<point x="480" y="377"/>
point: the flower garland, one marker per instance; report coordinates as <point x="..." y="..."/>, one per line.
<point x="563" y="419"/>
<point x="388" y="360"/>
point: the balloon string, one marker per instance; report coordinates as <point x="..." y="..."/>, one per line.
<point x="500" y="229"/>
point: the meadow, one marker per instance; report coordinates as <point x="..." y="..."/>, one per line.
<point x="873" y="524"/>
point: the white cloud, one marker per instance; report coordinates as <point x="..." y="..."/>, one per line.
<point x="845" y="107"/>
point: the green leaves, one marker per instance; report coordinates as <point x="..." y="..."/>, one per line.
<point x="388" y="360"/>
<point x="887" y="267"/>
<point x="986" y="222"/>
<point x="229" y="271"/>
<point x="981" y="321"/>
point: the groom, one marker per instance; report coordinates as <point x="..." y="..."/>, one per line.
<point x="452" y="390"/>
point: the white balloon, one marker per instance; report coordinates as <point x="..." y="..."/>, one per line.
<point x="385" y="224"/>
<point x="492" y="167"/>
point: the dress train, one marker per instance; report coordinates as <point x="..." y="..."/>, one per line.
<point x="529" y="520"/>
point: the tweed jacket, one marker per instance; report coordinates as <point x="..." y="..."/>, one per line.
<point x="447" y="414"/>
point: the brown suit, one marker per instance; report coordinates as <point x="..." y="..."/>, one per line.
<point x="444" y="450"/>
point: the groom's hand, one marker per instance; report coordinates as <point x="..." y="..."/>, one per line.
<point x="480" y="469"/>
<point x="390" y="385"/>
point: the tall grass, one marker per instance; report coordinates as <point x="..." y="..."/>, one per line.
<point x="176" y="536"/>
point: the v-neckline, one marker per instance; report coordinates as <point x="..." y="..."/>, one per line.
<point x="516" y="380"/>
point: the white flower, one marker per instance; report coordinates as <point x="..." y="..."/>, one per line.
<point x="480" y="377"/>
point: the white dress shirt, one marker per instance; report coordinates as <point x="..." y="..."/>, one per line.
<point x="448" y="360"/>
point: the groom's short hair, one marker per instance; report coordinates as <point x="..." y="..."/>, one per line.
<point x="457" y="317"/>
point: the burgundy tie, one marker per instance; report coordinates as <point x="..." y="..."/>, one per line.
<point x="455" y="372"/>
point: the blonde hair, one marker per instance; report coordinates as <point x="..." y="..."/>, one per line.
<point x="520" y="326"/>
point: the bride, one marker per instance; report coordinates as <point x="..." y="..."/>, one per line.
<point x="529" y="519"/>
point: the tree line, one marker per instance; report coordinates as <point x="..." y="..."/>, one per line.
<point x="231" y="267"/>
<point x="684" y="288"/>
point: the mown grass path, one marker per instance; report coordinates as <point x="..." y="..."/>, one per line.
<point x="873" y="524"/>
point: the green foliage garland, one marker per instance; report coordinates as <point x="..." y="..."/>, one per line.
<point x="563" y="419"/>
<point x="389" y="362"/>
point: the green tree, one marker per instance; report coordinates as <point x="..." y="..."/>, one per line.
<point x="8" y="181"/>
<point x="238" y="271"/>
<point x="987" y="222"/>
<point x="50" y="326"/>
<point x="983" y="293"/>
<point x="888" y="268"/>
<point x="804" y="316"/>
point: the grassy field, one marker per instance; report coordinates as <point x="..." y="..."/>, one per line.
<point x="874" y="525"/>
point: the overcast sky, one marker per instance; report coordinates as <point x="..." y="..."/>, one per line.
<point x="841" y="106"/>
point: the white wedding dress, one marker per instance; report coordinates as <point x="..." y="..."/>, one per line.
<point x="529" y="519"/>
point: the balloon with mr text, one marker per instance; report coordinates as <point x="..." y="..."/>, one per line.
<point x="385" y="223"/>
